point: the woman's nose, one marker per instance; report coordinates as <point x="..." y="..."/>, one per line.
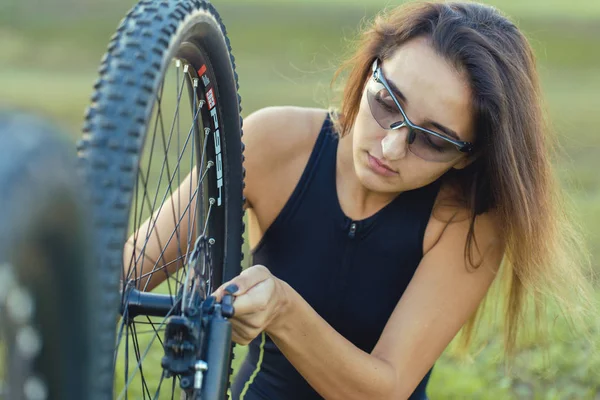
<point x="394" y="145"/>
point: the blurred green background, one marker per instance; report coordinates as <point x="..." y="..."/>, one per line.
<point x="286" y="52"/>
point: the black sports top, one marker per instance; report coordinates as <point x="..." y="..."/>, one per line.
<point x="352" y="273"/>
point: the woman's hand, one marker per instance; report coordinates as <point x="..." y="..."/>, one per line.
<point x="260" y="300"/>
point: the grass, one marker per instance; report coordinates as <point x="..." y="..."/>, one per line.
<point x="286" y="52"/>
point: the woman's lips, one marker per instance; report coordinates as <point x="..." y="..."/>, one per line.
<point x="379" y="167"/>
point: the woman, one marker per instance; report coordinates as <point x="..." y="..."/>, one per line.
<point x="378" y="229"/>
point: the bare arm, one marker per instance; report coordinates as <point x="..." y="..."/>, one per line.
<point x="440" y="298"/>
<point x="163" y="252"/>
<point x="442" y="295"/>
<point x="273" y="145"/>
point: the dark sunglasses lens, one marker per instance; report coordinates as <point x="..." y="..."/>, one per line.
<point x="432" y="148"/>
<point x="382" y="106"/>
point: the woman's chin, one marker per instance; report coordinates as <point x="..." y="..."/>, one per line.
<point x="377" y="183"/>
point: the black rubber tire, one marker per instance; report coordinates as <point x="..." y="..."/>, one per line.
<point x="43" y="264"/>
<point x="115" y="130"/>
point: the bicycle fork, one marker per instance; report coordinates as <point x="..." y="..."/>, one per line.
<point x="197" y="339"/>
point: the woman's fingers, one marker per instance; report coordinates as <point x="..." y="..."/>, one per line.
<point x="243" y="282"/>
<point x="255" y="300"/>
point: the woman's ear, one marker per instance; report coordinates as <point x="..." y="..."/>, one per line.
<point x="466" y="161"/>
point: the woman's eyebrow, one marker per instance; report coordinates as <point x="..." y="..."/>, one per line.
<point x="397" y="91"/>
<point x="447" y="131"/>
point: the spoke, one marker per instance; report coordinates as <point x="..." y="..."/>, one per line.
<point x="197" y="190"/>
<point x="173" y="388"/>
<point x="163" y="267"/>
<point x="152" y="207"/>
<point x="162" y="377"/>
<point x="120" y="336"/>
<point x="169" y="241"/>
<point x="178" y="63"/>
<point x="141" y="209"/>
<point x="155" y="330"/>
<point x="170" y="188"/>
<point x="167" y="146"/>
<point x="143" y="356"/>
<point x="211" y="202"/>
<point x="126" y="356"/>
<point x="193" y="128"/>
<point x="208" y="167"/>
<point x="154" y="218"/>
<point x="143" y="250"/>
<point x="165" y="163"/>
<point x="203" y="277"/>
<point x="125" y="276"/>
<point x="131" y="331"/>
<point x="151" y="226"/>
<point x="146" y="331"/>
<point x="178" y="133"/>
<point x="189" y="271"/>
<point x="199" y="197"/>
<point x="209" y="164"/>
<point x="195" y="285"/>
<point x="161" y="257"/>
<point x="136" y="346"/>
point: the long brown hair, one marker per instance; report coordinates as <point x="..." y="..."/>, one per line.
<point x="545" y="256"/>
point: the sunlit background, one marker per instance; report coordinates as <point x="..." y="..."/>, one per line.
<point x="286" y="52"/>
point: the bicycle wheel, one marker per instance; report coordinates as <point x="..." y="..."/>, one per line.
<point x="46" y="283"/>
<point x="143" y="139"/>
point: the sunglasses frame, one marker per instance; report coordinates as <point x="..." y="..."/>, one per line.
<point x="462" y="146"/>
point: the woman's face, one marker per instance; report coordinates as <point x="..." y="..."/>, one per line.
<point x="435" y="96"/>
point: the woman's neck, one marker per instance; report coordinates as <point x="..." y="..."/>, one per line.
<point x="357" y="201"/>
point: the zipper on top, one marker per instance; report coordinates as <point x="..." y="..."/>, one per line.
<point x="352" y="230"/>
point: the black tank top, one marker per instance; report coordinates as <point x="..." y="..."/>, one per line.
<point x="352" y="273"/>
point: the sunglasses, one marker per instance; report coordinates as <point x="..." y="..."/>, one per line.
<point x="389" y="114"/>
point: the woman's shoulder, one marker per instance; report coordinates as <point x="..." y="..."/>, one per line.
<point x="450" y="210"/>
<point x="283" y="127"/>
<point x="278" y="141"/>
